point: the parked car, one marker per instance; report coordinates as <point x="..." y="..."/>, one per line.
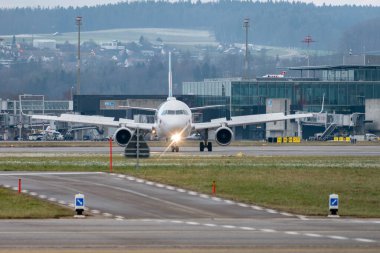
<point x="57" y="137"/>
<point x="36" y="137"/>
<point x="371" y="137"/>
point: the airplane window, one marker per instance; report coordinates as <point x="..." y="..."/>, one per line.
<point x="175" y="112"/>
<point x="181" y="112"/>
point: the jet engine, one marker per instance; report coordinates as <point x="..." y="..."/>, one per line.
<point x="223" y="136"/>
<point x="122" y="136"/>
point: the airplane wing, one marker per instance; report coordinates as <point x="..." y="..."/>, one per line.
<point x="95" y="120"/>
<point x="248" y="120"/>
<point x="206" y="107"/>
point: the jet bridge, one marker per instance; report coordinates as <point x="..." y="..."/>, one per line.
<point x="333" y="123"/>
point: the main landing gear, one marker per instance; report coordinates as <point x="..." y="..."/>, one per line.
<point x="205" y="144"/>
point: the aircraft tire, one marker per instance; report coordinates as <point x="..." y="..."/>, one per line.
<point x="209" y="147"/>
<point x="201" y="146"/>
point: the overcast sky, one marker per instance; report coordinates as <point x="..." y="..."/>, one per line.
<point x="52" y="3"/>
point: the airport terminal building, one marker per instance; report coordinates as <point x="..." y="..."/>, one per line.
<point x="351" y="99"/>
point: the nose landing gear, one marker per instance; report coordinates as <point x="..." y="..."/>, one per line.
<point x="175" y="148"/>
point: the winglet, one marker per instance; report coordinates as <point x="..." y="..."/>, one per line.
<point x="323" y="103"/>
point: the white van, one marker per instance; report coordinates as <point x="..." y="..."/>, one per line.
<point x="371" y="137"/>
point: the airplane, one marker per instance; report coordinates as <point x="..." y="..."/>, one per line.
<point x="173" y="121"/>
<point x="281" y="75"/>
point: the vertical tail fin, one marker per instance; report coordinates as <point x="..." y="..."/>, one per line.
<point x="170" y="76"/>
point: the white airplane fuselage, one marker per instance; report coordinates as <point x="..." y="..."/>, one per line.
<point x="173" y="120"/>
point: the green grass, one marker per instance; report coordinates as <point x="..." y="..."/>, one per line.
<point x="17" y="206"/>
<point x="294" y="184"/>
<point x="169" y="36"/>
<point x="185" y="39"/>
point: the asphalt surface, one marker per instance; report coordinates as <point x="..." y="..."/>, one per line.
<point x="270" y="150"/>
<point x="226" y="233"/>
<point x="128" y="212"/>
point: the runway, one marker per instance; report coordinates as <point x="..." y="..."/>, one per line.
<point x="269" y="150"/>
<point x="127" y="212"/>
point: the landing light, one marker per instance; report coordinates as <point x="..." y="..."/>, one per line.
<point x="176" y="137"/>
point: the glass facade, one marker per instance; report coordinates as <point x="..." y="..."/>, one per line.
<point x="214" y="87"/>
<point x="345" y="91"/>
<point x="340" y="97"/>
<point x="353" y="74"/>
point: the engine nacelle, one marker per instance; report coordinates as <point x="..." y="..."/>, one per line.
<point x="122" y="136"/>
<point x="223" y="136"/>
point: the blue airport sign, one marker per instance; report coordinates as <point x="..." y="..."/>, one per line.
<point x="333" y="202"/>
<point x="79" y="202"/>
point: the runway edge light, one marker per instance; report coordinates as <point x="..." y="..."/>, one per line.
<point x="79" y="205"/>
<point x="333" y="205"/>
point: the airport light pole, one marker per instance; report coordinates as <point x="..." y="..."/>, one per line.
<point x="308" y="40"/>
<point x="246" y="26"/>
<point x="78" y="22"/>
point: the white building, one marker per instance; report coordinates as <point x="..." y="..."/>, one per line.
<point x="45" y="44"/>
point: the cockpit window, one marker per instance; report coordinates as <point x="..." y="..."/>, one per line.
<point x="175" y="112"/>
<point x="168" y="112"/>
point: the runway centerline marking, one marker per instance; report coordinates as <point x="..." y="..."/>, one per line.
<point x="313" y="235"/>
<point x="363" y="240"/>
<point x="336" y="237"/>
<point x="228" y="226"/>
<point x="247" y="228"/>
<point x="268" y="230"/>
<point x="291" y="233"/>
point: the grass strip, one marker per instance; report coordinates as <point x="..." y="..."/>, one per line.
<point x="21" y="206"/>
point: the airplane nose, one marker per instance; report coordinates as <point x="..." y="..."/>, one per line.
<point x="175" y="126"/>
